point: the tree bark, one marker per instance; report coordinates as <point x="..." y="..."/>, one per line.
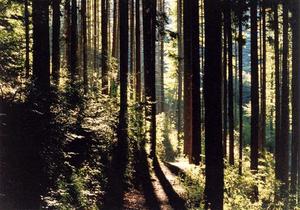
<point x="295" y="99"/>
<point x="254" y="94"/>
<point x="27" y="39"/>
<point x="104" y="43"/>
<point x="84" y="44"/>
<point x="56" y="41"/>
<point x="41" y="52"/>
<point x="149" y="25"/>
<point x="214" y="187"/>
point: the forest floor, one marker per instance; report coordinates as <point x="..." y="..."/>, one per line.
<point x="157" y="183"/>
<point x="167" y="189"/>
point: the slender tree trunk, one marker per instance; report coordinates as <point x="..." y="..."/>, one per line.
<point x="263" y="79"/>
<point x="187" y="78"/>
<point x="104" y="43"/>
<point x="295" y="100"/>
<point x="68" y="33"/>
<point x="196" y="114"/>
<point x="115" y="30"/>
<point x="132" y="50"/>
<point x="277" y="92"/>
<point x="214" y="187"/>
<point x="27" y="39"/>
<point x="230" y="82"/>
<point x="123" y="18"/>
<point x="192" y="79"/>
<point x="162" y="48"/>
<point x="41" y="52"/>
<point x="254" y="94"/>
<point x="180" y="68"/>
<point x="240" y="28"/>
<point x="284" y="137"/>
<point x="74" y="41"/>
<point x="149" y="21"/>
<point x="138" y="51"/>
<point x="56" y="41"/>
<point x="95" y="24"/>
<point x="225" y="86"/>
<point x="84" y="44"/>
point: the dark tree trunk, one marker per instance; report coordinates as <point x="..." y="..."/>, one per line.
<point x="138" y="51"/>
<point x="115" y="30"/>
<point x="187" y="78"/>
<point x="240" y="28"/>
<point x="254" y="93"/>
<point x="225" y="86"/>
<point x="277" y="92"/>
<point x="41" y="52"/>
<point x="56" y="41"/>
<point x="196" y="114"/>
<point x="74" y="41"/>
<point x="295" y="98"/>
<point x="67" y="33"/>
<point x="180" y="69"/>
<point x="104" y="42"/>
<point x="214" y="187"/>
<point x="263" y="79"/>
<point x="192" y="80"/>
<point x="132" y="50"/>
<point x="230" y="81"/>
<point x="123" y="18"/>
<point x="149" y="25"/>
<point x="162" y="53"/>
<point x="27" y="39"/>
<point x="84" y="44"/>
<point x="284" y="137"/>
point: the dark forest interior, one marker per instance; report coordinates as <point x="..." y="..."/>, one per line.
<point x="149" y="104"/>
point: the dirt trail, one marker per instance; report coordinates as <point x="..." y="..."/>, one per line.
<point x="167" y="189"/>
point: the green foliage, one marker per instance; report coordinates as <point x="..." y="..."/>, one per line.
<point x="166" y="138"/>
<point x="238" y="188"/>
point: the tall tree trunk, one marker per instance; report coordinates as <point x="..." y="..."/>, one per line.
<point x="138" y="51"/>
<point x="192" y="80"/>
<point x="115" y="30"/>
<point x="180" y="69"/>
<point x="196" y="114"/>
<point x="263" y="79"/>
<point x="240" y="28"/>
<point x="254" y="93"/>
<point x="149" y="21"/>
<point x="162" y="48"/>
<point x="68" y="33"/>
<point x="214" y="186"/>
<point x="187" y="78"/>
<point x="56" y="41"/>
<point x="84" y="44"/>
<point x="132" y="50"/>
<point x="41" y="52"/>
<point x="104" y="43"/>
<point x="295" y="99"/>
<point x="123" y="18"/>
<point x="95" y="29"/>
<point x="27" y="39"/>
<point x="230" y="82"/>
<point x="277" y="92"/>
<point x="225" y="88"/>
<point x="284" y="137"/>
<point x="74" y="41"/>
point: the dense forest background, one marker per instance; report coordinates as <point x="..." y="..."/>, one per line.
<point x="149" y="104"/>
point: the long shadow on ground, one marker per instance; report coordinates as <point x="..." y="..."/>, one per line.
<point x="175" y="200"/>
<point x="113" y="198"/>
<point x="143" y="178"/>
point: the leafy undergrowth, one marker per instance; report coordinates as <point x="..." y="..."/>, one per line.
<point x="87" y="132"/>
<point x="238" y="188"/>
